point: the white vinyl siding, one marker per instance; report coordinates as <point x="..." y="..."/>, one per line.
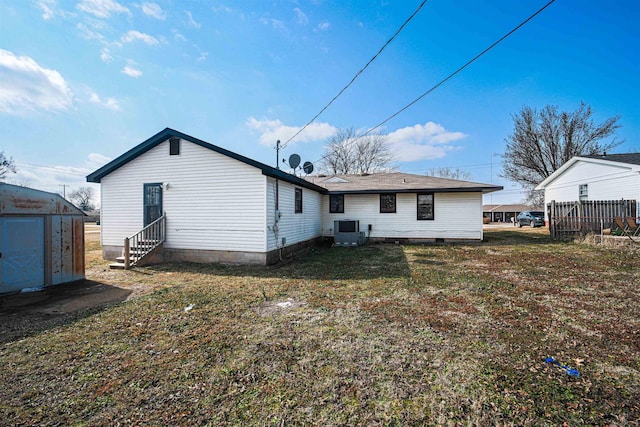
<point x="212" y="202"/>
<point x="294" y="227"/>
<point x="605" y="182"/>
<point x="457" y="216"/>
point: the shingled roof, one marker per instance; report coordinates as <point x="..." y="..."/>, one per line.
<point x="397" y="182"/>
<point x="631" y="158"/>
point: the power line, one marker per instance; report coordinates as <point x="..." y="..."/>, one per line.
<point x="450" y="76"/>
<point x="356" y="76"/>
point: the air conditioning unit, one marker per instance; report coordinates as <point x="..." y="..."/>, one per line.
<point x="347" y="233"/>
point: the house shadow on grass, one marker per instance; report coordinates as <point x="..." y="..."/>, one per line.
<point x="518" y="237"/>
<point x="366" y="262"/>
<point x="25" y="314"/>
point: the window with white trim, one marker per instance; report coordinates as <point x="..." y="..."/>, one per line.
<point x="583" y="192"/>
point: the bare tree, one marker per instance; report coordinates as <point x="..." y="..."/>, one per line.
<point x="450" y="173"/>
<point x="7" y="165"/>
<point x="543" y="141"/>
<point x="346" y="153"/>
<point x="82" y="198"/>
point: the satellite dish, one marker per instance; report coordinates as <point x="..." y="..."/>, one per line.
<point x="294" y="161"/>
<point x="307" y="167"/>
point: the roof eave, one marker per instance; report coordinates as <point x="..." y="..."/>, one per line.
<point x="483" y="190"/>
<point x="562" y="169"/>
<point x="168" y="132"/>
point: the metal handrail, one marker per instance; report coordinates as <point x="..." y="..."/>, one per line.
<point x="144" y="241"/>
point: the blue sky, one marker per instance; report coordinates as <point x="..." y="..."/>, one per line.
<point x="82" y="81"/>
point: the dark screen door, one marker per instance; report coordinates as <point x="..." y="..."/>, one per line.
<point x="152" y="203"/>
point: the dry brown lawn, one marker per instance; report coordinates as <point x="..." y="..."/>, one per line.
<point x="438" y="334"/>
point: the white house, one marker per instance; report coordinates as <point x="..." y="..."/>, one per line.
<point x="606" y="177"/>
<point x="219" y="206"/>
<point x="404" y="207"/>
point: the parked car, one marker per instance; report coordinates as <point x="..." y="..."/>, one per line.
<point x="532" y="218"/>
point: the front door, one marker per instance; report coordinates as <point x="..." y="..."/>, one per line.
<point x="21" y="253"/>
<point x="152" y="203"/>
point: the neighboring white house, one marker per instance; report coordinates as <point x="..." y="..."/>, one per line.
<point x="606" y="177"/>
<point x="220" y="206"/>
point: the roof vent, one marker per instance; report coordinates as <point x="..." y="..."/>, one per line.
<point x="335" y="179"/>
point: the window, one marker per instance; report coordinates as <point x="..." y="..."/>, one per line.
<point x="388" y="203"/>
<point x="583" y="192"/>
<point x="298" y="201"/>
<point x="425" y="206"/>
<point x="336" y="203"/>
<point x="174" y="146"/>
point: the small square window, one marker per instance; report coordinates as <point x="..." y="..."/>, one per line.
<point x="388" y="203"/>
<point x="174" y="147"/>
<point x="583" y="191"/>
<point x="336" y="203"/>
<point x="298" y="200"/>
<point x="425" y="206"/>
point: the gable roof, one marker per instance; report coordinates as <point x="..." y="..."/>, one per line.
<point x="167" y="133"/>
<point x="397" y="182"/>
<point x="629" y="161"/>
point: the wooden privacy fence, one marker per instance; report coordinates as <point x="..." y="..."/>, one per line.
<point x="569" y="219"/>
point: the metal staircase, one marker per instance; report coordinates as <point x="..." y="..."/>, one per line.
<point x="141" y="245"/>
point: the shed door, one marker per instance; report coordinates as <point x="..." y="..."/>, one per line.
<point x="152" y="203"/>
<point x="21" y="253"/>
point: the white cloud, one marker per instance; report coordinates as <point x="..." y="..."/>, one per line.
<point x="105" y="55"/>
<point x="225" y="9"/>
<point x="133" y="35"/>
<point x="273" y="130"/>
<point x="27" y="86"/>
<point x="323" y="26"/>
<point x="47" y="9"/>
<point x="300" y="15"/>
<point x="102" y="8"/>
<point x="52" y="178"/>
<point x="96" y="160"/>
<point x="192" y="21"/>
<point x="203" y="56"/>
<point x="178" y="36"/>
<point x="154" y="10"/>
<point x="109" y="103"/>
<point x="275" y="23"/>
<point x="88" y="33"/>
<point x="419" y="142"/>
<point x="130" y="71"/>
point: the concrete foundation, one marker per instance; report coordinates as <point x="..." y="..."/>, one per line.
<point x="212" y="256"/>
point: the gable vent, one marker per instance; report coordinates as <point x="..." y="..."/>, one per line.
<point x="174" y="146"/>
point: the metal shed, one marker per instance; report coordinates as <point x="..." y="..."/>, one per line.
<point x="41" y="239"/>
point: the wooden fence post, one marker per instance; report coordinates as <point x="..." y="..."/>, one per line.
<point x="127" y="253"/>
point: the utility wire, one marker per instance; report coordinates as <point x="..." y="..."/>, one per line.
<point x="356" y="76"/>
<point x="450" y="76"/>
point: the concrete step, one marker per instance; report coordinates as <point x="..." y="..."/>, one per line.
<point x="117" y="266"/>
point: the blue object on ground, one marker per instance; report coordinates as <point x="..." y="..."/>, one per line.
<point x="570" y="371"/>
